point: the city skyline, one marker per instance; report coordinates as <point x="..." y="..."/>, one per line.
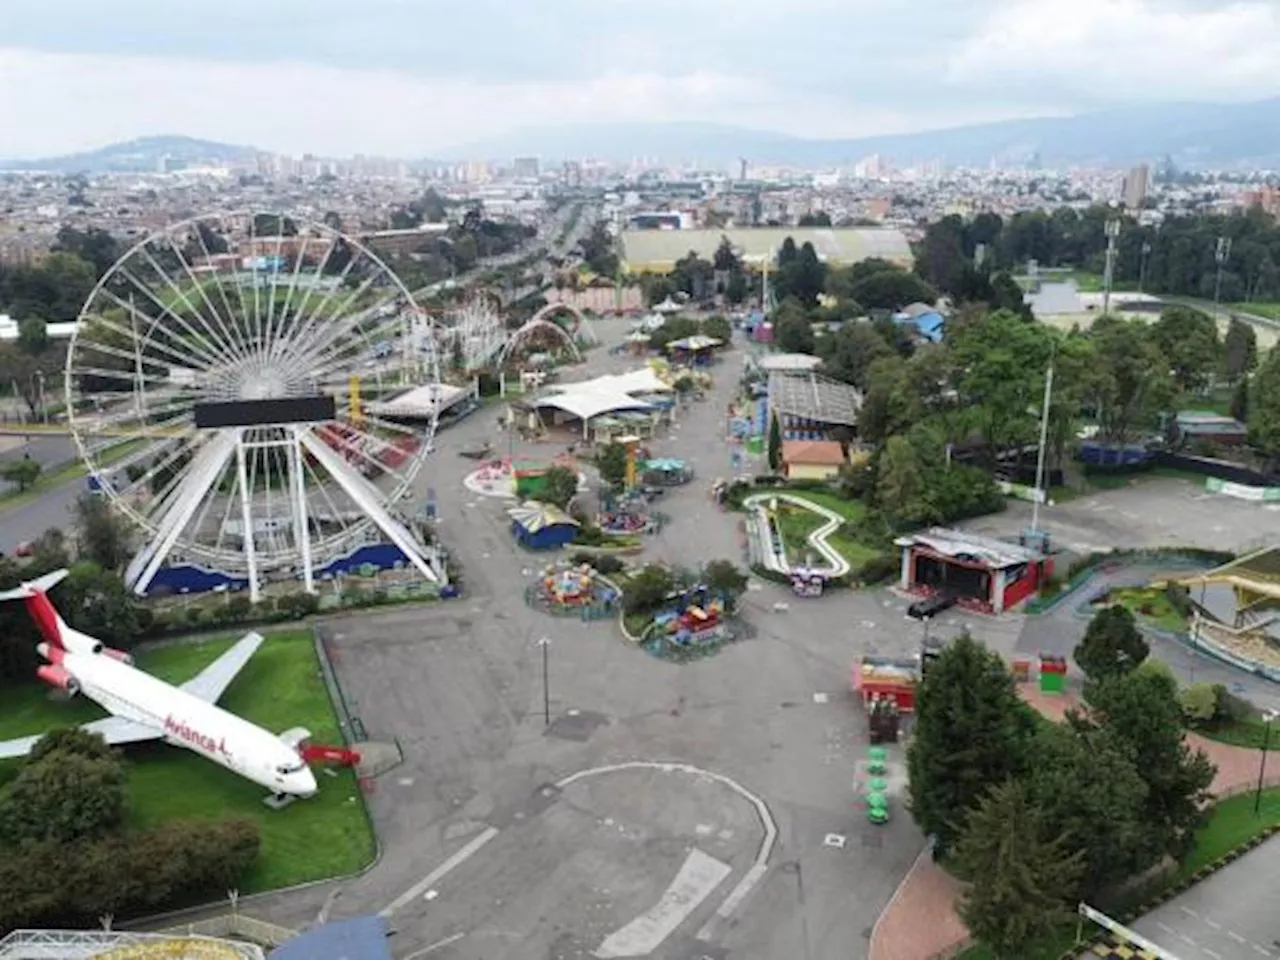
<point x="297" y="78"/>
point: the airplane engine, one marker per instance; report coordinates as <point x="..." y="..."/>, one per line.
<point x="58" y="677"/>
<point x="53" y="654"/>
<point x="118" y="655"/>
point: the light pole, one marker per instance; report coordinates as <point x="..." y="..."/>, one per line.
<point x="545" y="644"/>
<point x="1262" y="760"/>
<point x="1044" y="439"/>
<point x="1112" y="231"/>
<point x="1142" y="265"/>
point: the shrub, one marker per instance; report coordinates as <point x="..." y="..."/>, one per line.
<point x="1199" y="703"/>
<point x="881" y="567"/>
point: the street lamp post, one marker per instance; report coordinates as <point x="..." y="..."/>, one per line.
<point x="545" y="644"/>
<point x="1142" y="266"/>
<point x="1262" y="760"/>
<point x="1112" y="231"/>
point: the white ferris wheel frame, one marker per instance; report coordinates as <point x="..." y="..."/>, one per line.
<point x="320" y="355"/>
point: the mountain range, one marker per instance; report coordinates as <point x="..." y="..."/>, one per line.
<point x="1193" y="135"/>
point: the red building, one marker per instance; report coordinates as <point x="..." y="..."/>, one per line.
<point x="983" y="573"/>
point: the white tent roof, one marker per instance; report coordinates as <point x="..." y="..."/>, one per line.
<point x="423" y="401"/>
<point x="608" y="394"/>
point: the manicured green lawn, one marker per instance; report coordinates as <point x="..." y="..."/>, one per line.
<point x="1231" y="824"/>
<point x="856" y="552"/>
<point x="1248" y="732"/>
<point x="280" y="688"/>
<point x="1151" y="605"/>
<point x="795" y="524"/>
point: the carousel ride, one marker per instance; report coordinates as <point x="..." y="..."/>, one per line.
<point x="573" y="590"/>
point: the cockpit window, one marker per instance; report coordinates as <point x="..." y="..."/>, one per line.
<point x="290" y="768"/>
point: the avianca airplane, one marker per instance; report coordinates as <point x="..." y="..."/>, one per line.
<point x="145" y="708"/>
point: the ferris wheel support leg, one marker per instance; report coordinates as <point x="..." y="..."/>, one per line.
<point x="300" y="511"/>
<point x="246" y="518"/>
<point x="203" y="473"/>
<point x="369" y="500"/>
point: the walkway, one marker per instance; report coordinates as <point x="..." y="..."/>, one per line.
<point x="920" y="922"/>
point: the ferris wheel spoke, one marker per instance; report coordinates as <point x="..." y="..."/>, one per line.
<point x="339" y="319"/>
<point x="203" y="359"/>
<point x="130" y="335"/>
<point x="136" y="362"/>
<point x="227" y="347"/>
<point x="358" y="345"/>
<point x="269" y="333"/>
<point x="228" y="336"/>
<point x="283" y="348"/>
<point x="361" y="446"/>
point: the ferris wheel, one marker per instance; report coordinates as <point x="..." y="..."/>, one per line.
<point x="216" y="387"/>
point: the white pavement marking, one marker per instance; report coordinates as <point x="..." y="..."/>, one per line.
<point x="435" y="946"/>
<point x="1236" y="937"/>
<point x="1214" y="924"/>
<point x="1165" y="927"/>
<point x="423" y="885"/>
<point x="1189" y="912"/>
<point x="1262" y="950"/>
<point x="699" y="875"/>
<point x="1212" y="954"/>
<point x="761" y="865"/>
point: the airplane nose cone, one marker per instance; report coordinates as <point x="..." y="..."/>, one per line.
<point x="304" y="784"/>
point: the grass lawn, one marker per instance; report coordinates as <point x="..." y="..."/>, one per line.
<point x="853" y="550"/>
<point x="1249" y="732"/>
<point x="71" y="471"/>
<point x="1231" y="823"/>
<point x="281" y="687"/>
<point x="1269" y="310"/>
<point x="795" y="524"/>
<point x="1150" y="605"/>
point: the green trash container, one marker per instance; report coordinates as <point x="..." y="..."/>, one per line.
<point x="878" y="785"/>
<point x="877" y="800"/>
<point x="877" y="767"/>
<point x="878" y="815"/>
<point x="877" y="754"/>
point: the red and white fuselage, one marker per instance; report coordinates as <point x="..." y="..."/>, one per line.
<point x="81" y="664"/>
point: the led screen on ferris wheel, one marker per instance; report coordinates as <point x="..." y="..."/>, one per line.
<point x="265" y="413"/>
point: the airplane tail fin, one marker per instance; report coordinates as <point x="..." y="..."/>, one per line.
<point x="41" y="584"/>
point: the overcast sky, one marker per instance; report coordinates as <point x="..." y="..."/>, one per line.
<point x="406" y="77"/>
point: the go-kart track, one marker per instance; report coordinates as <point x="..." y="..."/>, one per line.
<point x="767" y="536"/>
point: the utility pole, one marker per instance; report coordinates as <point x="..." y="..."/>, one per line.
<point x="1113" y="231"/>
<point x="545" y="644"/>
<point x="1044" y="440"/>
<point x="1142" y="265"/>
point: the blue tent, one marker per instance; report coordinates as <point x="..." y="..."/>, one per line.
<point x="541" y="526"/>
<point x="360" y="938"/>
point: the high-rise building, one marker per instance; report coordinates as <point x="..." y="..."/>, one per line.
<point x="525" y="168"/>
<point x="1134" y="190"/>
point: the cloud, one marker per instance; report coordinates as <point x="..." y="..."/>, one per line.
<point x="1126" y="51"/>
<point x="58" y="102"/>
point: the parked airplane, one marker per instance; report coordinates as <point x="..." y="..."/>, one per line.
<point x="145" y="708"/>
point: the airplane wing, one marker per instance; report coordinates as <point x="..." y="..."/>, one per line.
<point x="210" y="683"/>
<point x="114" y="730"/>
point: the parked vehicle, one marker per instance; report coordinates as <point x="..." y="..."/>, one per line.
<point x="930" y="607"/>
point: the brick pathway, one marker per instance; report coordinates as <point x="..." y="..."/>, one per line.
<point x="920" y="922"/>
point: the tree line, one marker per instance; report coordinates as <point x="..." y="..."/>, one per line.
<point x="1177" y="257"/>
<point x="71" y="858"/>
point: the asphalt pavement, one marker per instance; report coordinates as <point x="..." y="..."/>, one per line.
<point x="1226" y="917"/>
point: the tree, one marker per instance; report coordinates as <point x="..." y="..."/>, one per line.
<point x="1240" y="401"/>
<point x="1090" y="792"/>
<point x="900" y="483"/>
<point x="1199" y="702"/>
<point x="1240" y="349"/>
<point x="847" y="354"/>
<point x="972" y="730"/>
<point x="1022" y="875"/>
<point x="1112" y="644"/>
<point x="802" y="278"/>
<point x="775" y="444"/>
<point x="892" y="290"/>
<point x="793" y="333"/>
<point x="1132" y="382"/>
<point x="33" y="336"/>
<point x="22" y="472"/>
<point x="647" y="588"/>
<point x="102" y="534"/>
<point x="96" y="602"/>
<point x="559" y="486"/>
<point x="1264" y="411"/>
<point x="1189" y="341"/>
<point x="72" y="740"/>
<point x="63" y="797"/>
<point x="612" y="464"/>
<point x="725" y="579"/>
<point x="1141" y="712"/>
<point x="718" y="327"/>
<point x="819" y="218"/>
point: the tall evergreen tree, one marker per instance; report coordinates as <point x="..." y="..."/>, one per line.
<point x="1112" y="644"/>
<point x="775" y="444"/>
<point x="972" y="730"/>
<point x="1022" y="877"/>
